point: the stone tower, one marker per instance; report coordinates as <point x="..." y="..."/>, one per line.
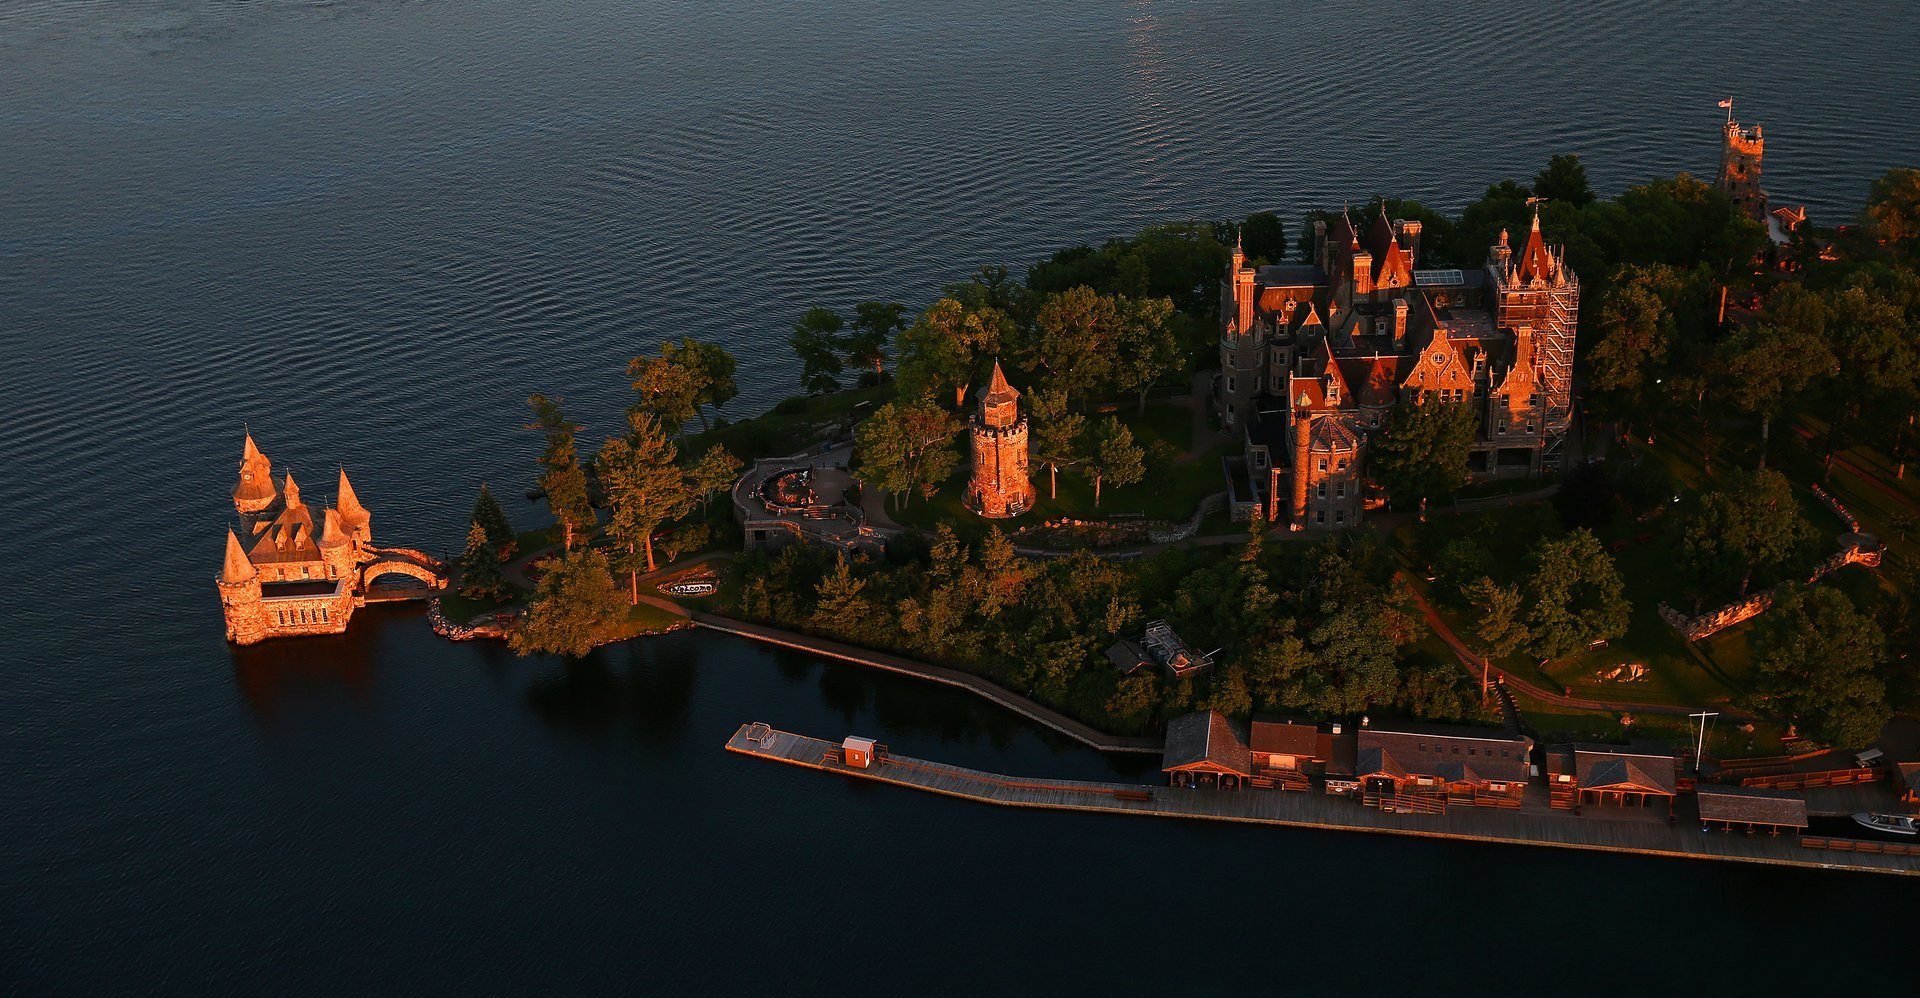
<point x="240" y="597"/>
<point x="254" y="491"/>
<point x="999" y="486"/>
<point x="1740" y="151"/>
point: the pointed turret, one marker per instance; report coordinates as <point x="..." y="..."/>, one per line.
<point x="348" y="503"/>
<point x="291" y="492"/>
<point x="253" y="491"/>
<point x="999" y="403"/>
<point x="237" y="568"/>
<point x="335" y="530"/>
<point x="1535" y="261"/>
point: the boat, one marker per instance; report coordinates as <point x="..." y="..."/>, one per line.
<point x="1892" y="824"/>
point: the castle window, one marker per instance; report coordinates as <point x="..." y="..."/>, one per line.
<point x="305" y="572"/>
<point x="323" y="615"/>
<point x="1340" y="490"/>
<point x="1343" y="464"/>
<point x="1323" y="490"/>
<point x="1323" y="464"/>
<point x="1319" y="516"/>
<point x="1229" y="383"/>
<point x="1339" y="516"/>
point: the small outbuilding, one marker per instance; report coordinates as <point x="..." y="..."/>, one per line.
<point x="859" y="753"/>
<point x="1642" y="774"/>
<point x="1128" y="657"/>
<point x="1751" y="809"/>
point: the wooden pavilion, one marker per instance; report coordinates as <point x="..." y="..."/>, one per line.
<point x="1285" y="751"/>
<point x="1643" y="774"/>
<point x="1442" y="763"/>
<point x="1206" y="749"/>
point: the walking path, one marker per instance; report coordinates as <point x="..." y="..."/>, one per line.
<point x="1535" y="823"/>
<point x="933" y="673"/>
<point x="1474" y="663"/>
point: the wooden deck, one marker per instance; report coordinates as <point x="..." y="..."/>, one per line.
<point x="1534" y="823"/>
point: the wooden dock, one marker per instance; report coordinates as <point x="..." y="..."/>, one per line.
<point x="1535" y="824"/>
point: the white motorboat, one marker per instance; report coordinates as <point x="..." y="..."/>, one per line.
<point x="1892" y="824"/>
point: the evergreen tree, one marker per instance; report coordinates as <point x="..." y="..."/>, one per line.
<point x="564" y="482"/>
<point x="1503" y="629"/>
<point x="480" y="575"/>
<point x="713" y="474"/>
<point x="875" y="323"/>
<point x="644" y="488"/>
<point x="493" y="519"/>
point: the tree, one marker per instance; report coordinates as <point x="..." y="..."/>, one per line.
<point x="480" y="575"/>
<point x="713" y="474"/>
<point x="875" y="323"/>
<point x="1112" y="456"/>
<point x="685" y="376"/>
<point x="1356" y="656"/>
<point x="644" y="488"/>
<point x="1148" y="345"/>
<point x="1422" y="454"/>
<point x="816" y="341"/>
<point x="1056" y="435"/>
<point x="1818" y="660"/>
<point x="1893" y="206"/>
<point x="1503" y="628"/>
<point x="1576" y="595"/>
<point x="1564" y="180"/>
<point x="1636" y="329"/>
<point x="564" y="482"/>
<point x="488" y="514"/>
<point x="841" y="607"/>
<point x="1879" y="363"/>
<point x="1134" y="699"/>
<point x="1230" y="695"/>
<point x="938" y="353"/>
<point x="1264" y="237"/>
<point x="1074" y="340"/>
<point x="1278" y="669"/>
<point x="1751" y="525"/>
<point x="903" y="447"/>
<point x="575" y="608"/>
<point x="1764" y="368"/>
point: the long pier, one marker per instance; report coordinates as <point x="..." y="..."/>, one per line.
<point x="1535" y="824"/>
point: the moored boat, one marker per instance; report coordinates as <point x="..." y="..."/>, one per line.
<point x="1892" y="824"/>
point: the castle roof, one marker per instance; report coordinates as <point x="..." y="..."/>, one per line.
<point x="1535" y="261"/>
<point x="349" y="503"/>
<point x="1375" y="380"/>
<point x="256" y="474"/>
<point x="998" y="391"/>
<point x="1333" y="435"/>
<point x="292" y="492"/>
<point x="335" y="529"/>
<point x="236" y="567"/>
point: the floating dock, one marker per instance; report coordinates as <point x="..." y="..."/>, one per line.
<point x="1534" y="825"/>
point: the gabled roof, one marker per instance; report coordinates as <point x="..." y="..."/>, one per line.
<point x="1206" y="740"/>
<point x="1521" y="379"/>
<point x="1375" y="381"/>
<point x="1280" y="737"/>
<point x="1752" y="805"/>
<point x="1606" y="767"/>
<point x="1454" y="752"/>
<point x="1440" y="365"/>
<point x="1375" y="760"/>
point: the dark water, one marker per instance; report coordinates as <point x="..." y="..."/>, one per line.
<point x="370" y="229"/>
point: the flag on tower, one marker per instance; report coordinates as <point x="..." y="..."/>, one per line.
<point x="1728" y="103"/>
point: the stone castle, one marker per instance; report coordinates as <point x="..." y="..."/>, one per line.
<point x="1315" y="356"/>
<point x="1740" y="152"/>
<point x="999" y="486"/>
<point x="289" y="573"/>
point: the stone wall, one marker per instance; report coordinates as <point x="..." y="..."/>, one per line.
<point x="1856" y="549"/>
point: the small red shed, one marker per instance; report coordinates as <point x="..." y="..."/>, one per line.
<point x="857" y="752"/>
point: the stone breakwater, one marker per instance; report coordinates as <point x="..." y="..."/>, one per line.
<point x="491" y="625"/>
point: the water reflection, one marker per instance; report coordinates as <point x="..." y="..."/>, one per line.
<point x="644" y="688"/>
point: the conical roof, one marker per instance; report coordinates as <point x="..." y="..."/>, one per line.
<point x="1535" y="261"/>
<point x="236" y="568"/>
<point x="348" y="502"/>
<point x="998" y="391"/>
<point x="256" y="474"/>
<point x="292" y="492"/>
<point x="334" y="531"/>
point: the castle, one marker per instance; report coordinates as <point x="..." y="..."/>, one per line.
<point x="285" y="575"/>
<point x="999" y="486"/>
<point x="1315" y="356"/>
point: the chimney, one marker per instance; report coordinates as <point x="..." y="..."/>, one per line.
<point x="1362" y="272"/>
<point x="1399" y="325"/>
<point x="1302" y="453"/>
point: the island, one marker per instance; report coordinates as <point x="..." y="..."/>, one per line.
<point x="1563" y="505"/>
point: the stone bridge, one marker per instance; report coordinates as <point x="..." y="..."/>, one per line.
<point x="404" y="561"/>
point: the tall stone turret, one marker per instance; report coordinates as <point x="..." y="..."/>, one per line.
<point x="254" y="491"/>
<point x="1740" y="152"/>
<point x="354" y="516"/>
<point x="1302" y="457"/>
<point x="999" y="486"/>
<point x="239" y="586"/>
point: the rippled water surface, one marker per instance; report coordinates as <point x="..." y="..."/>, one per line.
<point x="369" y="229"/>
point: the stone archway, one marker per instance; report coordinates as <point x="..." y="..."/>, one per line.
<point x="401" y="566"/>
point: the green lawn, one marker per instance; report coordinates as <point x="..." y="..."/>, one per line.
<point x="793" y="425"/>
<point x="1725" y="739"/>
<point x="1172" y="489"/>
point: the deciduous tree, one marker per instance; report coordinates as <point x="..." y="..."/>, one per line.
<point x="1818" y="660"/>
<point x="816" y="340"/>
<point x="903" y="448"/>
<point x="1422" y="455"/>
<point x="1111" y="456"/>
<point x="875" y="323"/>
<point x="575" y="608"/>
<point x="564" y="482"/>
<point x="1576" y="594"/>
<point x="1056" y="435"/>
